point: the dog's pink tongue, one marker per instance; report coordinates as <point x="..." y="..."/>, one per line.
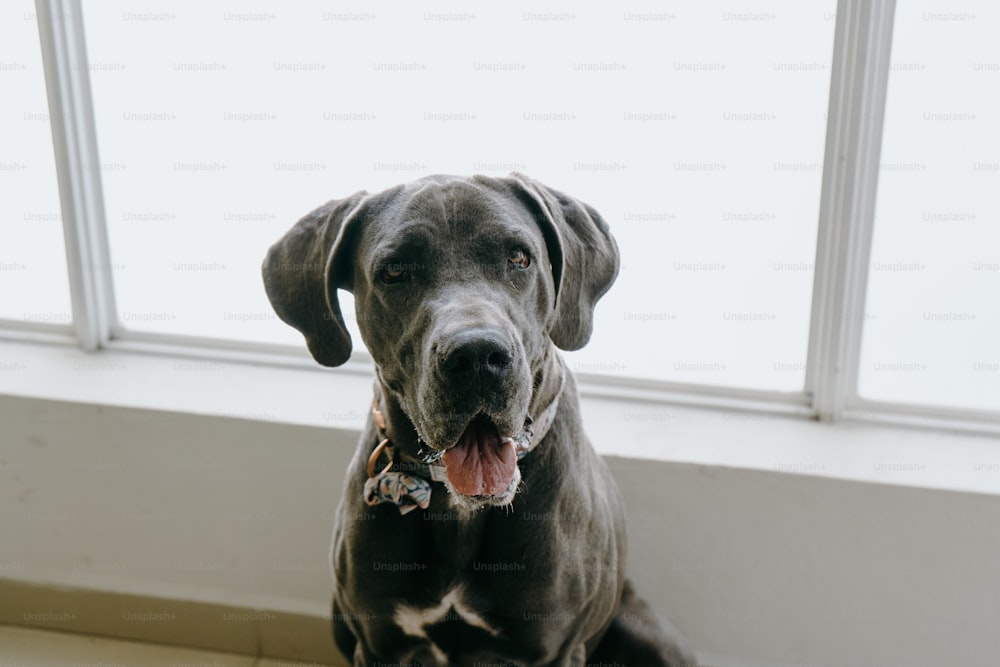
<point x="482" y="463"/>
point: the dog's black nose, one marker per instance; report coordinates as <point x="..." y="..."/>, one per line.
<point x="475" y="358"/>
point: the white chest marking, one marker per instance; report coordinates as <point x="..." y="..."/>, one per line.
<point x="413" y="621"/>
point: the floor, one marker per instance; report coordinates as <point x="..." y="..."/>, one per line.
<point x="24" y="647"/>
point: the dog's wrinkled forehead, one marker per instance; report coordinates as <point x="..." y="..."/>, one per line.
<point x="450" y="209"/>
<point x="444" y="199"/>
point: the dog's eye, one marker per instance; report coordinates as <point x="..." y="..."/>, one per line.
<point x="393" y="273"/>
<point x="518" y="259"/>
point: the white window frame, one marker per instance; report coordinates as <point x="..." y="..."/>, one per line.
<point x="859" y="78"/>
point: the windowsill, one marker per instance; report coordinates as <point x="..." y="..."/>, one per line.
<point x="851" y="450"/>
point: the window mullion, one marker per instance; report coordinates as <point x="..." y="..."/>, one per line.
<point x="60" y="26"/>
<point x="847" y="205"/>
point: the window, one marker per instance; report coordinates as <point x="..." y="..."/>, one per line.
<point x="734" y="151"/>
<point x="698" y="132"/>
<point x="33" y="277"/>
<point x="933" y="316"/>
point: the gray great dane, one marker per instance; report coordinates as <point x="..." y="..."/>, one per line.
<point x="478" y="526"/>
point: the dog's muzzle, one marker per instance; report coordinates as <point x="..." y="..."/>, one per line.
<point x="481" y="468"/>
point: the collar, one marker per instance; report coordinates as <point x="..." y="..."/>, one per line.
<point x="409" y="485"/>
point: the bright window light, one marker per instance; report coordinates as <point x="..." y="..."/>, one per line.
<point x="697" y="129"/>
<point x="933" y="314"/>
<point x="33" y="277"/>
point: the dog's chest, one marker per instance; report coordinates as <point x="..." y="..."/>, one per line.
<point x="446" y="628"/>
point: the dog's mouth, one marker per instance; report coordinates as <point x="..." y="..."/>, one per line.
<point x="482" y="462"/>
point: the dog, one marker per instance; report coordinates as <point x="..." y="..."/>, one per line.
<point x="478" y="526"/>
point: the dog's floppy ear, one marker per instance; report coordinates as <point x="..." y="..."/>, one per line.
<point x="303" y="270"/>
<point x="584" y="258"/>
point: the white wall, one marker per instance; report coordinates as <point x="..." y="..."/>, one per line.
<point x="755" y="566"/>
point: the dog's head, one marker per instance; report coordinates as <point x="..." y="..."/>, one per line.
<point x="461" y="286"/>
